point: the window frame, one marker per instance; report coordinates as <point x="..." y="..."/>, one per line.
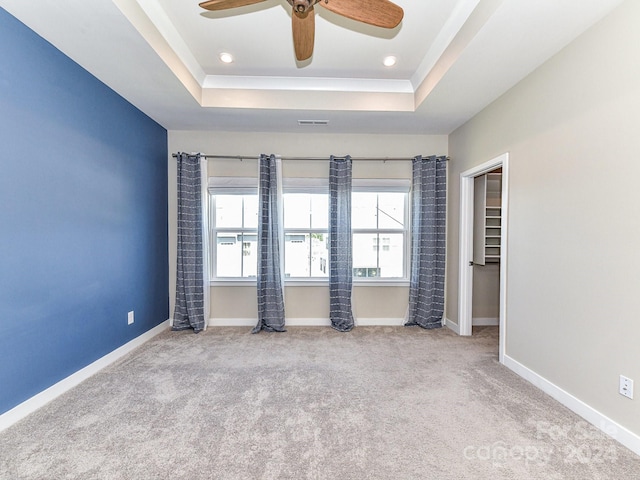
<point x="297" y="186"/>
<point x="249" y="186"/>
<point x="213" y="239"/>
<point x="228" y="186"/>
<point x="378" y="187"/>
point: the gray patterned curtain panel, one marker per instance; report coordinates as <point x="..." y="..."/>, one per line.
<point x="270" y="284"/>
<point x="189" y="309"/>
<point x="428" y="217"/>
<point x="340" y="244"/>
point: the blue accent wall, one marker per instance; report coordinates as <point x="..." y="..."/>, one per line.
<point x="83" y="217"/>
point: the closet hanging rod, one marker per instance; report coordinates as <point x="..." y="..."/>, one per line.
<point x="355" y="159"/>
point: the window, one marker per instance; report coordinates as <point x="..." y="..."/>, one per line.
<point x="235" y="235"/>
<point x="306" y="226"/>
<point x="379" y="223"/>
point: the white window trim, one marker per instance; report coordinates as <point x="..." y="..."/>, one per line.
<point x="312" y="282"/>
<point x="384" y="186"/>
<point x="311" y="185"/>
<point x="214" y="231"/>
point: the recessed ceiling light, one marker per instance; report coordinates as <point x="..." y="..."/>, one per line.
<point x="389" y="61"/>
<point x="226" y="57"/>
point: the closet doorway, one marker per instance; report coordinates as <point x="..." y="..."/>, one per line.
<point x="486" y="226"/>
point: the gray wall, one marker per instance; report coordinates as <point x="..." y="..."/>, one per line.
<point x="572" y="132"/>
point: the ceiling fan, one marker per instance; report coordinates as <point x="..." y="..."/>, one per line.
<point x="380" y="13"/>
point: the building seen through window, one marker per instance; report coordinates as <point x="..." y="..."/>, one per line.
<point x="378" y="228"/>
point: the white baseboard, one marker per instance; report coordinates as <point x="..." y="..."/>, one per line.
<point x="305" y="322"/>
<point x="453" y="326"/>
<point x="485" y="322"/>
<point x="20" y="411"/>
<point x="232" y="322"/>
<point x="591" y="415"/>
<point x="380" y="322"/>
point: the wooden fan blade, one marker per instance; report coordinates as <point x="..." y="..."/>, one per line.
<point x="380" y="13"/>
<point x="225" y="4"/>
<point x="303" y="26"/>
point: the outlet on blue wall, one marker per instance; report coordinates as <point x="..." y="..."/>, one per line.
<point x="83" y="217"/>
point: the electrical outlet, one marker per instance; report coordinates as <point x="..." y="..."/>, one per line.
<point x="130" y="318"/>
<point x="626" y="386"/>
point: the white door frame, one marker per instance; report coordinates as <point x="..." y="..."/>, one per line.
<point x="465" y="282"/>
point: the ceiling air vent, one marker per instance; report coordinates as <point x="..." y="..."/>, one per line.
<point x="313" y="123"/>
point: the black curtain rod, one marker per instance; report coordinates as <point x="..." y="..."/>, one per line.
<point x="242" y="157"/>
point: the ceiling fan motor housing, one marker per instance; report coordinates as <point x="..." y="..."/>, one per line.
<point x="301" y="6"/>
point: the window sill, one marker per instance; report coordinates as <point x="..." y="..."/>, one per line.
<point x="312" y="283"/>
<point x="390" y="282"/>
<point x="249" y="282"/>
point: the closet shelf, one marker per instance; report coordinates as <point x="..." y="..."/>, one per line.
<point x="487" y="219"/>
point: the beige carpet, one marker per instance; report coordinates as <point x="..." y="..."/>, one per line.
<point x="376" y="403"/>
